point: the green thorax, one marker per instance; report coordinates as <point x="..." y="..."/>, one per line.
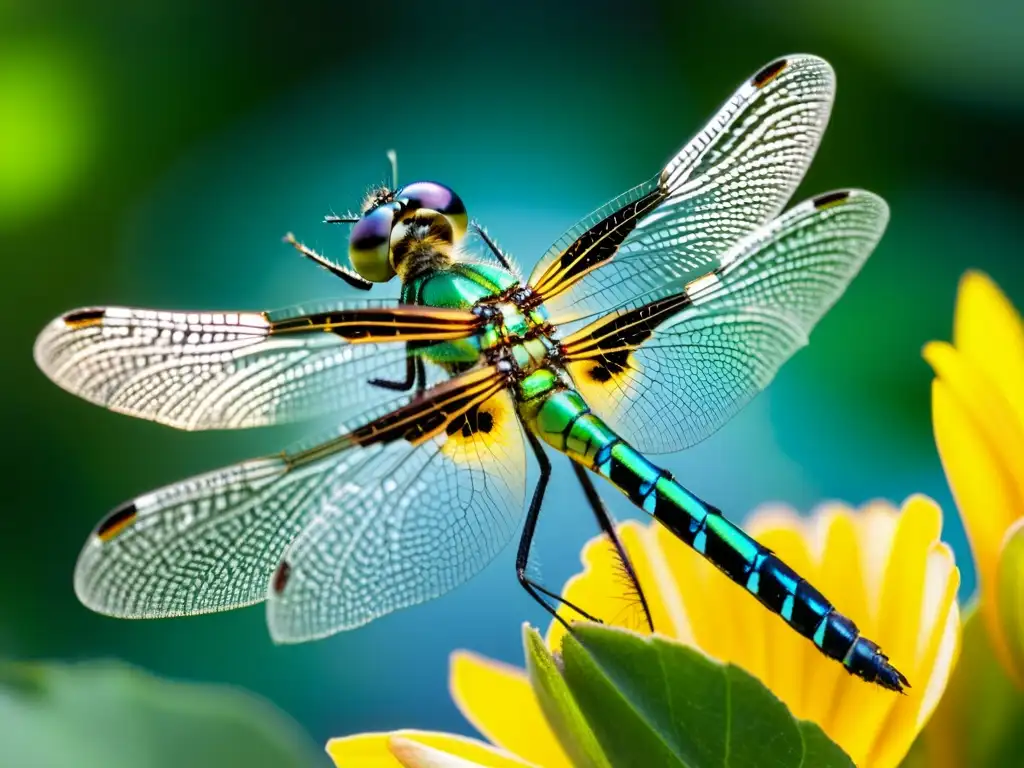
<point x="465" y="286"/>
<point x="460" y="286"/>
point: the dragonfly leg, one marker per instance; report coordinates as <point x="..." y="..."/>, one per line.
<point x="535" y="590"/>
<point x="604" y="519"/>
<point x="498" y="253"/>
<point x="337" y="270"/>
<point x="415" y="376"/>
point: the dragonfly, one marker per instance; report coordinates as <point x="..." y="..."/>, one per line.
<point x="642" y="330"/>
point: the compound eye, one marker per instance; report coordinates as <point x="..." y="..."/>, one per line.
<point x="436" y="197"/>
<point x="369" y="244"/>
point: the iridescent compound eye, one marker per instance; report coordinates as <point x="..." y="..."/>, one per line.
<point x="369" y="244"/>
<point x="436" y="197"/>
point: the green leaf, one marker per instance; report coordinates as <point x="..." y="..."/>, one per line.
<point x="819" y="749"/>
<point x="979" y="719"/>
<point x="654" y="702"/>
<point x="560" y="709"/>
<point x="626" y="738"/>
<point x="108" y="715"/>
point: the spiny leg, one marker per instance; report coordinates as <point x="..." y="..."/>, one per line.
<point x="534" y="589"/>
<point x="337" y="270"/>
<point x="415" y="374"/>
<point x="498" y="253"/>
<point x="604" y="519"/>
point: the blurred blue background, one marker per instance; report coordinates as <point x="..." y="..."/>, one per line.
<point x="154" y="154"/>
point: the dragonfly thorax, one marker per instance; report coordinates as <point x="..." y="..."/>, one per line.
<point x="516" y="331"/>
<point x="521" y="335"/>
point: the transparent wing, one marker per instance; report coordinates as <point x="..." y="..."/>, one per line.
<point x="217" y="370"/>
<point x="208" y="543"/>
<point x="213" y="542"/>
<point x="668" y="374"/>
<point x="205" y="544"/>
<point x="412" y="523"/>
<point x="735" y="175"/>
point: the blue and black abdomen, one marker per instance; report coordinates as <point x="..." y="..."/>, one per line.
<point x="565" y="422"/>
<point x="778" y="588"/>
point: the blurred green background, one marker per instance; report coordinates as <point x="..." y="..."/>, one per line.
<point x="153" y="154"/>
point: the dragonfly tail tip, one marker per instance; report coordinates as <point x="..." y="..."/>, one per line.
<point x="890" y="677"/>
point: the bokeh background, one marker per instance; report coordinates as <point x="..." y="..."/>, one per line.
<point x="154" y="153"/>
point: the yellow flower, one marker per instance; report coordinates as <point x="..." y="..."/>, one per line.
<point x="978" y="418"/>
<point x="885" y="569"/>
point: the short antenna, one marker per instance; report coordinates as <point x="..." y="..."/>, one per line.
<point x="393" y="157"/>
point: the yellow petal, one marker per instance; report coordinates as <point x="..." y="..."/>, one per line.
<point x="987" y="329"/>
<point x="498" y="700"/>
<point x="860" y="710"/>
<point x="990" y="411"/>
<point x="986" y="497"/>
<point x="930" y="674"/>
<point x="364" y="749"/>
<point x="919" y="628"/>
<point x="946" y="658"/>
<point x="917" y="533"/>
<point x="412" y="753"/>
<point x="603" y="589"/>
<point x="403" y="748"/>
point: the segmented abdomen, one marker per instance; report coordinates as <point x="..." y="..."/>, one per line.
<point x="565" y="422"/>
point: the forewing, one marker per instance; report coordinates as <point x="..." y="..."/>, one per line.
<point x="212" y="542"/>
<point x="668" y="374"/>
<point x="221" y="370"/>
<point x="415" y="521"/>
<point x="733" y="176"/>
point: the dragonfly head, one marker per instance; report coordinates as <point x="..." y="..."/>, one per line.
<point x="423" y="213"/>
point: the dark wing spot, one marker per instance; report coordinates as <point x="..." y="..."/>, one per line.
<point x="460" y="424"/>
<point x="117" y="521"/>
<point x="611" y="364"/>
<point x="769" y="73"/>
<point x="471" y="422"/>
<point x="485" y="422"/>
<point x="280" y="580"/>
<point x="84" y="318"/>
<point x="616" y="362"/>
<point x="830" y="198"/>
